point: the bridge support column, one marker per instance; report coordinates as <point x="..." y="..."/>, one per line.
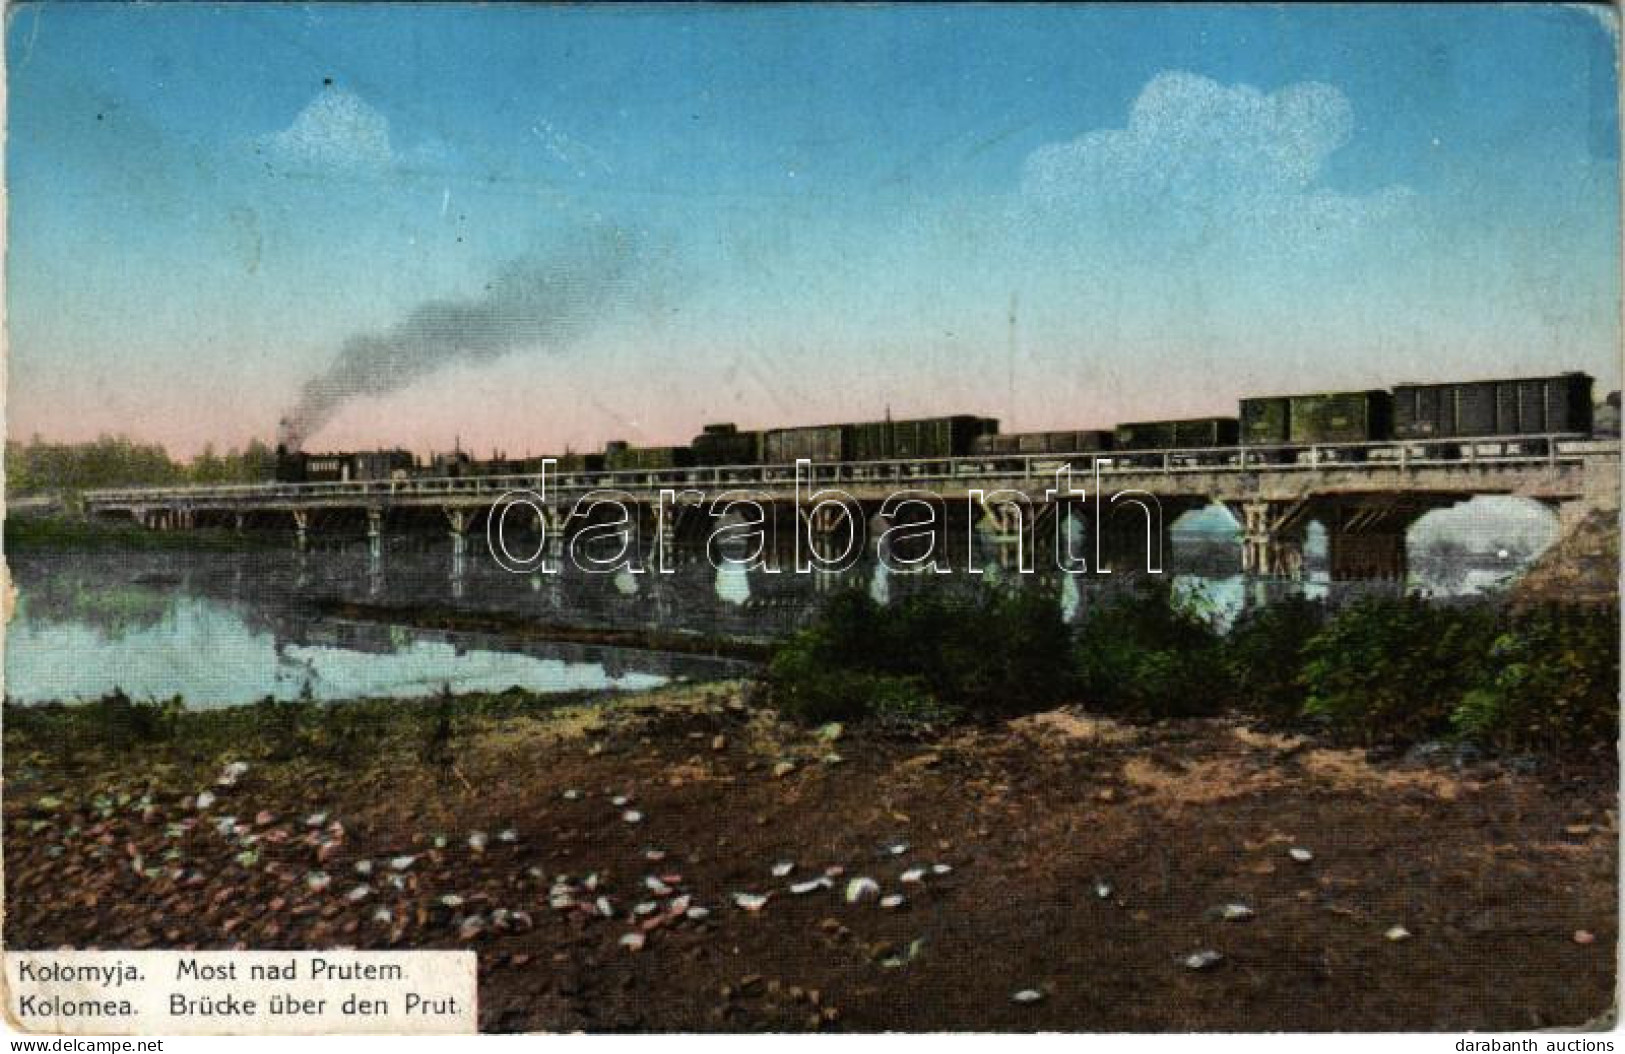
<point x="457" y="520"/>
<point x="1272" y="534"/>
<point x="375" y="534"/>
<point x="1365" y="534"/>
<point x="301" y="524"/>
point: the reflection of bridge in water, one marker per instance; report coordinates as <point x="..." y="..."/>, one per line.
<point x="1366" y="496"/>
<point x="378" y="638"/>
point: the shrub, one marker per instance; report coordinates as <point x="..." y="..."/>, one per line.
<point x="924" y="658"/>
<point x="1394" y="668"/>
<point x="1551" y="683"/>
<point x="1263" y="656"/>
<point x="1148" y="655"/>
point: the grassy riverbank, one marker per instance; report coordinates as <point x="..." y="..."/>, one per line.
<point x="69" y="533"/>
<point x="1080" y="857"/>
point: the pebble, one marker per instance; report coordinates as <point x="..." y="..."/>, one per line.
<point x="318" y="881"/>
<point x="205" y="800"/>
<point x="656" y="886"/>
<point x="1584" y="937"/>
<point x="634" y="942"/>
<point x="1398" y="933"/>
<point x="401" y="863"/>
<point x="1235" y="912"/>
<point x="891" y="901"/>
<point x="861" y="889"/>
<point x="912" y="875"/>
<point x="509" y="835"/>
<point x="1204" y="960"/>
<point x="1301" y="855"/>
<point x="697" y="913"/>
<point x="941" y="869"/>
<point x="1027" y="995"/>
<point x="477" y="841"/>
<point x="784" y="768"/>
<point x="632" y="816"/>
<point x="752" y="902"/>
<point x="811" y="886"/>
<point x="620" y="801"/>
<point x="363" y="867"/>
<point x="782" y="869"/>
<point x="359" y="893"/>
<point x="572" y="795"/>
<point x="232" y="773"/>
<point x="654" y="856"/>
<point x="316" y="819"/>
<point x="1103" y="890"/>
<point x="897" y="848"/>
<point x="451" y="900"/>
<point x="646" y="907"/>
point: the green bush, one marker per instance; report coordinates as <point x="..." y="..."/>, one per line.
<point x="118" y="719"/>
<point x="1393" y="669"/>
<point x="1551" y="683"/>
<point x="1149" y="655"/>
<point x="1263" y="656"/>
<point x="924" y="658"/>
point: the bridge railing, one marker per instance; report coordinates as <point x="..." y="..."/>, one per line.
<point x="1387" y="455"/>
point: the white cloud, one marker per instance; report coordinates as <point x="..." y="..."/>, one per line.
<point x="337" y="130"/>
<point x="1206" y="166"/>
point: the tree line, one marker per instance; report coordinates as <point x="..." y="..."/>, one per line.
<point x="41" y="467"/>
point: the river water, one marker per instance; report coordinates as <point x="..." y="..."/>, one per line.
<point x="228" y="628"/>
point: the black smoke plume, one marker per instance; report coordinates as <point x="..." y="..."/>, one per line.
<point x="544" y="300"/>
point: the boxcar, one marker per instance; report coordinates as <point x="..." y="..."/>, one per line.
<point x="1266" y="420"/>
<point x="928" y="437"/>
<point x="1511" y="407"/>
<point x="647" y="458"/>
<point x="1341" y="417"/>
<point x="785" y="446"/>
<point x="1081" y="441"/>
<point x="1188" y="433"/>
<point x="723" y="444"/>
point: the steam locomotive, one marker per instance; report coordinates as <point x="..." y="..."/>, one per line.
<point x="1269" y="427"/>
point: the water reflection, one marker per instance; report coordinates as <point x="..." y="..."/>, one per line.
<point x="221" y="628"/>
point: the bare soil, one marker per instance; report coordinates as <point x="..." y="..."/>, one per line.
<point x="1087" y="860"/>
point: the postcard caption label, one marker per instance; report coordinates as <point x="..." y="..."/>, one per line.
<point x="214" y="992"/>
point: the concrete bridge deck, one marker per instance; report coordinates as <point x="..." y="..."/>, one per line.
<point x="1365" y="494"/>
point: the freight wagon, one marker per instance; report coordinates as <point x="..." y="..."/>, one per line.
<point x="1558" y="404"/>
<point x="1324" y="417"/>
<point x="929" y="437"/>
<point x="1081" y="441"/>
<point x="619" y="457"/>
<point x="785" y="446"/>
<point x="1190" y="434"/>
<point x="724" y="444"/>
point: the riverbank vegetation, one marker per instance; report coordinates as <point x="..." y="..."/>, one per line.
<point x="37" y="466"/>
<point x="1383" y="670"/>
<point x="66" y="532"/>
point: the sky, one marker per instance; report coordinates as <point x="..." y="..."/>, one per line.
<point x="539" y="228"/>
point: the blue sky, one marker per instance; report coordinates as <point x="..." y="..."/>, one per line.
<point x="1058" y="216"/>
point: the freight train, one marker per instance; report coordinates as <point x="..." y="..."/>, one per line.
<point x="1271" y="428"/>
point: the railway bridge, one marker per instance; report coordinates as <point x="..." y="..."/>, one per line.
<point x="1365" y="495"/>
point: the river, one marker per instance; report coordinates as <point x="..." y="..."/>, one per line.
<point x="221" y="628"/>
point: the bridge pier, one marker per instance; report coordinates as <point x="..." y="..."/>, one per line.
<point x="301" y="525"/>
<point x="1365" y="534"/>
<point x="1272" y="536"/>
<point x="375" y="534"/>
